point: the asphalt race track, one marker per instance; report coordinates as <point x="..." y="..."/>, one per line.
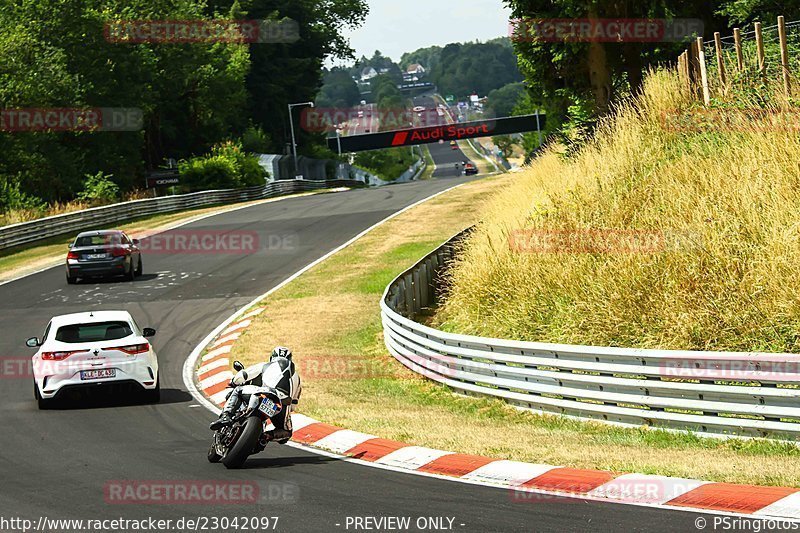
<point x="58" y="463"/>
<point x="442" y="153"/>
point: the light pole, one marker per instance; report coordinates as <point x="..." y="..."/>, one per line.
<point x="291" y="126"/>
<point x="339" y="139"/>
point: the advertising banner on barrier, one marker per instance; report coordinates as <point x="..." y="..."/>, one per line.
<point x="438" y="133"/>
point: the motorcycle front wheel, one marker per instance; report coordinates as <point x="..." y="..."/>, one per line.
<point x="245" y="444"/>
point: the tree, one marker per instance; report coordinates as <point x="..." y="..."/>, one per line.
<point x="339" y="90"/>
<point x="501" y="102"/>
<point x="505" y="143"/>
<point x="291" y="72"/>
<point x="427" y="57"/>
<point x="592" y="74"/>
<point x="766" y="11"/>
<point x="469" y="68"/>
<point x="53" y="53"/>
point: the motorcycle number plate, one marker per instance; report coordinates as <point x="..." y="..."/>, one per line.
<point x="268" y="407"/>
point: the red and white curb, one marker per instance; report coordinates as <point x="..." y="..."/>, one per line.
<point x="526" y="482"/>
<point x="207" y="372"/>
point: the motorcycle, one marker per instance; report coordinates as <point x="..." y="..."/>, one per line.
<point x="247" y="435"/>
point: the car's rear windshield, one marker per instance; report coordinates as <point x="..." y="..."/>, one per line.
<point x="98" y="240"/>
<point x="98" y="331"/>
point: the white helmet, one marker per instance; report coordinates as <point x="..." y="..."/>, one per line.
<point x="281" y="351"/>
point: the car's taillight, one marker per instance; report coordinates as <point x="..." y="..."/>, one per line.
<point x="58" y="356"/>
<point x="133" y="349"/>
<point x="73" y="255"/>
<point x="118" y="251"/>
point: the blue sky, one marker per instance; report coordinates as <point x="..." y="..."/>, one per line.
<point x="398" y="26"/>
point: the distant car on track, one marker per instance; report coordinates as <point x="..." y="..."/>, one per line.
<point x="91" y="349"/>
<point x="470" y="169"/>
<point x="103" y="253"/>
<point x="453" y="145"/>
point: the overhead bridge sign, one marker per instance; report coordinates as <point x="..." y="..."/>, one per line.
<point x="439" y="133"/>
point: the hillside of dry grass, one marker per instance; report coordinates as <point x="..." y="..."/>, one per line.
<point x="675" y="227"/>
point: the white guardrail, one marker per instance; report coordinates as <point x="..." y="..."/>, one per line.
<point x="98" y="217"/>
<point x="717" y="393"/>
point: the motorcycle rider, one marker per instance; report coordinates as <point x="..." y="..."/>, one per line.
<point x="279" y="373"/>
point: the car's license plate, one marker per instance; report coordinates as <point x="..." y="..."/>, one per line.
<point x="96" y="256"/>
<point x="99" y="374"/>
<point x="268" y="407"/>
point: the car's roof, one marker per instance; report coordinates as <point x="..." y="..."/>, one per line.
<point x="89" y="317"/>
<point x="100" y="232"/>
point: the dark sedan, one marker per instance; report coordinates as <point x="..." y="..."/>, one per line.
<point x="103" y="253"/>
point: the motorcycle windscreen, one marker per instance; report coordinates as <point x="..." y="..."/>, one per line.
<point x="278" y="375"/>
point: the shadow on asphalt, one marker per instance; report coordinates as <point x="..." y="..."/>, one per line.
<point x="116" y="397"/>
<point x="278" y="462"/>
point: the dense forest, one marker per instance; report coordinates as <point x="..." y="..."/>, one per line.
<point x="217" y="98"/>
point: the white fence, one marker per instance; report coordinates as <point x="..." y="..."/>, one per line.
<point x="98" y="217"/>
<point x="720" y="393"/>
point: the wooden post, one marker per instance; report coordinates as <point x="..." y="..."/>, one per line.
<point x="686" y="70"/>
<point x="701" y="59"/>
<point x="737" y="41"/>
<point x="760" y="49"/>
<point x="694" y="71"/>
<point x="784" y="54"/>
<point x="720" y="60"/>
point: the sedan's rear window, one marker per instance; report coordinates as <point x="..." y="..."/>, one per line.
<point x="98" y="240"/>
<point x="98" y="331"/>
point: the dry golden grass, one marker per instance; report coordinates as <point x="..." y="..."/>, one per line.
<point x="330" y="317"/>
<point x="722" y="204"/>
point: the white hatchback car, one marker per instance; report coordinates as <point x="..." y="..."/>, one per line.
<point x="91" y="349"/>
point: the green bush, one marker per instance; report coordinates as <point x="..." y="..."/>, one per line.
<point x="227" y="167"/>
<point x="388" y="164"/>
<point x="99" y="189"/>
<point x="255" y="141"/>
<point x="11" y="197"/>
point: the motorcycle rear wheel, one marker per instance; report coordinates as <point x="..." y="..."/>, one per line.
<point x="245" y="444"/>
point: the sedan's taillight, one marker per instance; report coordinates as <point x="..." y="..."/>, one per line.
<point x="58" y="356"/>
<point x="119" y="251"/>
<point x="73" y="255"/>
<point x="132" y="349"/>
